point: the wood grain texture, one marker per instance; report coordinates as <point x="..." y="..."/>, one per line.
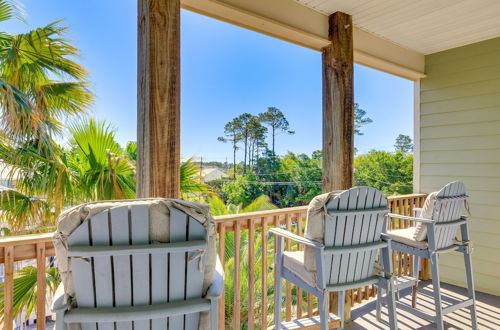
<point x="222" y="256"/>
<point x="251" y="273"/>
<point x="158" y="104"/>
<point x="8" y="295"/>
<point x="338" y="104"/>
<point x="41" y="286"/>
<point x="263" y="272"/>
<point x="237" y="274"/>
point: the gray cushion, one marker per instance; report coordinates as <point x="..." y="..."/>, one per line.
<point x="294" y="262"/>
<point x="420" y="233"/>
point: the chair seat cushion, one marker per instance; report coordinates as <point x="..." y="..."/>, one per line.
<point x="294" y="262"/>
<point x="407" y="236"/>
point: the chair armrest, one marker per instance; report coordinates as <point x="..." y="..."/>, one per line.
<point x="59" y="302"/>
<point x="215" y="288"/>
<point x="404" y="217"/>
<point x="385" y="237"/>
<point x="296" y="238"/>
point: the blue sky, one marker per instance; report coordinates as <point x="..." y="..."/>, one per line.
<point x="226" y="70"/>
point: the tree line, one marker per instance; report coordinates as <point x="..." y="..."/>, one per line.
<point x="251" y="131"/>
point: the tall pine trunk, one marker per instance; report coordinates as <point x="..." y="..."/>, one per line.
<point x="245" y="159"/>
<point x="273" y="140"/>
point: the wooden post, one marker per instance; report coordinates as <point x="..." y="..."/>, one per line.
<point x="158" y="104"/>
<point x="338" y="105"/>
<point x="41" y="288"/>
<point x="8" y="295"/>
<point x="338" y="115"/>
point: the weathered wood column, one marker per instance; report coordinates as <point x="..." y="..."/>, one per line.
<point x="338" y="115"/>
<point x="338" y="105"/>
<point x="158" y="104"/>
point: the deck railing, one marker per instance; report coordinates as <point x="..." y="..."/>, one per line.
<point x="246" y="249"/>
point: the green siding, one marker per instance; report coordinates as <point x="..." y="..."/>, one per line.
<point x="460" y="140"/>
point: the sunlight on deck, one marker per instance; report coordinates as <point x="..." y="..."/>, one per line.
<point x="488" y="311"/>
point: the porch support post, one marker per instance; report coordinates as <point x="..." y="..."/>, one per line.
<point x="338" y="116"/>
<point x="158" y="104"/>
<point x="338" y="105"/>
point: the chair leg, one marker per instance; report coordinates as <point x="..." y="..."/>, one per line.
<point x="323" y="310"/>
<point x="470" y="289"/>
<point x="437" y="291"/>
<point x="60" y="325"/>
<point x="416" y="269"/>
<point x="379" y="303"/>
<point x="341" y="308"/>
<point x="277" y="302"/>
<point x="214" y="319"/>
<point x="391" y="304"/>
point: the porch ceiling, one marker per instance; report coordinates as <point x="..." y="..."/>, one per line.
<point x="426" y="26"/>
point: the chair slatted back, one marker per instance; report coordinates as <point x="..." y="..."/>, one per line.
<point x="449" y="207"/>
<point x="136" y="279"/>
<point x="353" y="229"/>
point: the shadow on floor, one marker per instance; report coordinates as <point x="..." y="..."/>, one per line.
<point x="488" y="311"/>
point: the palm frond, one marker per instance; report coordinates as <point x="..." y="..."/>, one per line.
<point x="21" y="211"/>
<point x="11" y="9"/>
<point x="25" y="290"/>
<point x="190" y="180"/>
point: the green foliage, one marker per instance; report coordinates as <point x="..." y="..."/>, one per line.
<point x="403" y="143"/>
<point x="190" y="181"/>
<point x="39" y="64"/>
<point x="276" y="120"/>
<point x="389" y="172"/>
<point x="243" y="190"/>
<point x="101" y="169"/>
<point x="41" y="86"/>
<point x="306" y="174"/>
<point x="25" y="288"/>
<point x="131" y="150"/>
<point x="218" y="207"/>
<point x="360" y="119"/>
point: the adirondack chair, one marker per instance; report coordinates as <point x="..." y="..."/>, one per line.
<point x="123" y="280"/>
<point x="352" y="225"/>
<point x="437" y="226"/>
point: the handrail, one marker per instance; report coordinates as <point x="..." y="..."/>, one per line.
<point x="259" y="244"/>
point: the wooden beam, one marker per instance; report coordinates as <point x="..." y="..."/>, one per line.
<point x="158" y="106"/>
<point x="338" y="105"/>
<point x="338" y="116"/>
<point x="293" y="22"/>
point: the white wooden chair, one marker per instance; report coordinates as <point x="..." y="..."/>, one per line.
<point x="123" y="280"/>
<point x="437" y="226"/>
<point x="353" y="222"/>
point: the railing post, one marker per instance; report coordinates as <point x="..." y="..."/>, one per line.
<point x="222" y="256"/>
<point x="264" y="274"/>
<point x="251" y="275"/>
<point x="41" y="288"/>
<point x="8" y="296"/>
<point x="237" y="301"/>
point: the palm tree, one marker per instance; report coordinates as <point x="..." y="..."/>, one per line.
<point x="25" y="290"/>
<point x="94" y="167"/>
<point x="190" y="180"/>
<point x="39" y="65"/>
<point x="100" y="166"/>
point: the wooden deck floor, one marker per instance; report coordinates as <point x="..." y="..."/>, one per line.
<point x="488" y="309"/>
